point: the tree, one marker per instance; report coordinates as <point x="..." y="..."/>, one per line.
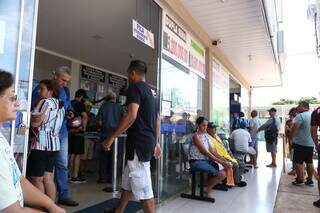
<point x="284" y="101"/>
<point x="310" y="100"/>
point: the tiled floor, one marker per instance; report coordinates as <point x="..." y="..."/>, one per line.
<point x="258" y="196"/>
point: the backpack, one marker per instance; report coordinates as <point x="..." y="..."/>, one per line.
<point x="271" y="133"/>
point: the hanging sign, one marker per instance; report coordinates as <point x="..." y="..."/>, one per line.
<point x="142" y="34"/>
<point x="92" y="74"/>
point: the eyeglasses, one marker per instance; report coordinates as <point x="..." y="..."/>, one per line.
<point x="11" y="98"/>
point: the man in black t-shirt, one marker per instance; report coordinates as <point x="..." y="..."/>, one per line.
<point x="142" y="124"/>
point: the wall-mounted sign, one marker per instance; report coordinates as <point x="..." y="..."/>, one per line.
<point x="197" y="58"/>
<point x="182" y="48"/>
<point x="92" y="74"/>
<point x="175" y="28"/>
<point x="117" y="82"/>
<point x="142" y="34"/>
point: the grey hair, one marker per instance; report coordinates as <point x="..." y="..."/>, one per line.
<point x="111" y="96"/>
<point x="62" y="70"/>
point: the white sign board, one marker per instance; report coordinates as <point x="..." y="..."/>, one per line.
<point x="142" y="34"/>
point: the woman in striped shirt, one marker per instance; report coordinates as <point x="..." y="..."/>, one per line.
<point x="47" y="123"/>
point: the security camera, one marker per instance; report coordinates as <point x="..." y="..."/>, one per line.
<point x="216" y="42"/>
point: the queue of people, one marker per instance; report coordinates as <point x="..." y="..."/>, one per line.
<point x="61" y="147"/>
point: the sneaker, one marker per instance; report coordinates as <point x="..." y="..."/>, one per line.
<point x="317" y="203"/>
<point x="241" y="184"/>
<point x="309" y="182"/>
<point x="67" y="202"/>
<point x="297" y="182"/>
<point x="77" y="180"/>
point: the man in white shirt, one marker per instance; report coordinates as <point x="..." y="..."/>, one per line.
<point x="254" y="125"/>
<point x="15" y="191"/>
<point x="241" y="139"/>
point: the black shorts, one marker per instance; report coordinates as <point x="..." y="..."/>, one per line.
<point x="40" y="162"/>
<point x="76" y="144"/>
<point x="302" y="154"/>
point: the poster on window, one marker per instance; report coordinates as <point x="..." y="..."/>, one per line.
<point x="117" y="83"/>
<point x="220" y="96"/>
<point x="92" y="74"/>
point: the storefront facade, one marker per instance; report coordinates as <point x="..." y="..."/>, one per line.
<point x="187" y="75"/>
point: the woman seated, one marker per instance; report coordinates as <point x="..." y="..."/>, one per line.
<point x="203" y="156"/>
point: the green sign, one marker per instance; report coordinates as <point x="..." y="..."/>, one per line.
<point x="196" y="48"/>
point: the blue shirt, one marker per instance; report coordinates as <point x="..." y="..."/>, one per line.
<point x="64" y="97"/>
<point x="109" y="114"/>
<point x="303" y="136"/>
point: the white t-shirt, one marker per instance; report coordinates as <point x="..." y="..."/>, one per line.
<point x="10" y="189"/>
<point x="241" y="139"/>
<point x="254" y="125"/>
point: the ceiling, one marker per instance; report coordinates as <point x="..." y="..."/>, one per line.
<point x="244" y="39"/>
<point x="99" y="33"/>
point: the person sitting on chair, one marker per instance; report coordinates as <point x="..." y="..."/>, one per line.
<point x="223" y="152"/>
<point x="203" y="156"/>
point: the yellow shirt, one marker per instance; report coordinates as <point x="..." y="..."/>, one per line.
<point x="221" y="150"/>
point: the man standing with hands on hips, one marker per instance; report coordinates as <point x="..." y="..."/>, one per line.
<point x="142" y="124"/>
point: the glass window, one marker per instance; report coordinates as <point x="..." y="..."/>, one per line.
<point x="181" y="100"/>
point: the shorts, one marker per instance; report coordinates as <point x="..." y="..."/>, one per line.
<point x="76" y="144"/>
<point x="271" y="147"/>
<point x="88" y="149"/>
<point x="302" y="154"/>
<point x="204" y="166"/>
<point x="254" y="143"/>
<point x="137" y="179"/>
<point x="40" y="162"/>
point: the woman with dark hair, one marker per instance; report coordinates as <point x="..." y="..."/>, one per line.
<point x="203" y="156"/>
<point x="289" y="123"/>
<point x="46" y="122"/>
<point x="15" y="191"/>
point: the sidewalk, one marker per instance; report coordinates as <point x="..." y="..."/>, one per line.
<point x="295" y="199"/>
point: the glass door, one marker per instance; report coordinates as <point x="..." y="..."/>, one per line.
<point x="181" y="94"/>
<point x="17" y="45"/>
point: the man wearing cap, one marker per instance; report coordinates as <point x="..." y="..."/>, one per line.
<point x="271" y="144"/>
<point x="223" y="151"/>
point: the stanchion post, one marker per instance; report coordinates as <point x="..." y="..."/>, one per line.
<point x="115" y="165"/>
<point x="284" y="152"/>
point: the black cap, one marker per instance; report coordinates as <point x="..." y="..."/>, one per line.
<point x="272" y="110"/>
<point x="211" y="125"/>
<point x="81" y="93"/>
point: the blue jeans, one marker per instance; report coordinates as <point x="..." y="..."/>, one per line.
<point x="61" y="168"/>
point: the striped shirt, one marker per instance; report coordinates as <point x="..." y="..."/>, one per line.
<point x="48" y="131"/>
